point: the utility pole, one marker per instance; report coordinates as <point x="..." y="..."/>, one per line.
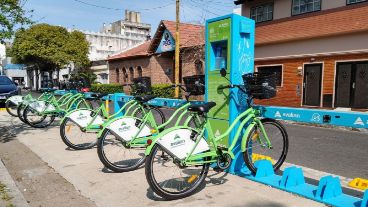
<point x="177" y="49"/>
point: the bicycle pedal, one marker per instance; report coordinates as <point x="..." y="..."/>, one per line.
<point x="217" y="169"/>
<point x="222" y="148"/>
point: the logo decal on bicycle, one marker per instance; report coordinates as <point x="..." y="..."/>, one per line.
<point x="82" y="117"/>
<point x="124" y="128"/>
<point x="177" y="141"/>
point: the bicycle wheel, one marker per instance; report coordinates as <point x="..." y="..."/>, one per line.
<point x="20" y="111"/>
<point x="32" y="118"/>
<point x="115" y="156"/>
<point x="76" y="138"/>
<point x="11" y="108"/>
<point x="258" y="150"/>
<point x="169" y="180"/>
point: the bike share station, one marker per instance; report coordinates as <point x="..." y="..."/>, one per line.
<point x="230" y="44"/>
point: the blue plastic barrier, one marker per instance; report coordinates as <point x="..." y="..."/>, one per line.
<point x="317" y="116"/>
<point x="329" y="190"/>
<point x="120" y="99"/>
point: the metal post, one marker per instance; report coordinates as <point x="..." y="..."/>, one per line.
<point x="177" y="49"/>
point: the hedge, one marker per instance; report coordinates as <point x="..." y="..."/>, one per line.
<point x="107" y="88"/>
<point x="159" y="90"/>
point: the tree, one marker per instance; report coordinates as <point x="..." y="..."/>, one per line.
<point x="11" y="14"/>
<point x="50" y="47"/>
<point x="87" y="77"/>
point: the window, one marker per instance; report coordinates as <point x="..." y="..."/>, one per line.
<point x="199" y="66"/>
<point x="272" y="69"/>
<point x="305" y="6"/>
<point x="262" y="13"/>
<point x="140" y="72"/>
<point x="125" y="75"/>
<point x="117" y="75"/>
<point x="355" y="1"/>
<point x="131" y="74"/>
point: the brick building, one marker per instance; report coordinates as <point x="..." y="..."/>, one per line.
<point x="318" y="48"/>
<point x="155" y="58"/>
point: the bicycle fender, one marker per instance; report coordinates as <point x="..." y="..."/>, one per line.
<point x="84" y="118"/>
<point x="105" y="125"/>
<point x="15" y="99"/>
<point x="245" y="136"/>
<point x="155" y="139"/>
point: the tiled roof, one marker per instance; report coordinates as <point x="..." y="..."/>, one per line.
<point x="190" y="34"/>
<point x="138" y="51"/>
<point x="320" y="24"/>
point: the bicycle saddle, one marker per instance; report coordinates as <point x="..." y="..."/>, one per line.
<point x="203" y="108"/>
<point x="144" y="98"/>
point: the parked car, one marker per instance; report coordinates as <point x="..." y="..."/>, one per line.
<point x="7" y="88"/>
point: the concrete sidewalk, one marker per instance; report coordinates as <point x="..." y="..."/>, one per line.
<point x="84" y="170"/>
<point x="11" y="190"/>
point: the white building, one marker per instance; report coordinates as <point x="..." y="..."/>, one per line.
<point x="112" y="39"/>
<point x="2" y="57"/>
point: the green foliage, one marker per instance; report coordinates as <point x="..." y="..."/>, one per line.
<point x="162" y="91"/>
<point x="107" y="88"/>
<point x="11" y="14"/>
<point x="50" y="47"/>
<point x="88" y="76"/>
<point x="159" y="90"/>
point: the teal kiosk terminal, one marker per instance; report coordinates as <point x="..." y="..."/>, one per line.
<point x="229" y="45"/>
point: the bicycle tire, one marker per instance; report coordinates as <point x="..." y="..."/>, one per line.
<point x="70" y="144"/>
<point x="38" y="124"/>
<point x="7" y="107"/>
<point x="155" y="186"/>
<point x="110" y="164"/>
<point x="281" y="159"/>
<point x="20" y="111"/>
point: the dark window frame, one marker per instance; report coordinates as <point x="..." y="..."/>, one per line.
<point x="292" y="9"/>
<point x="262" y="5"/>
<point x="347" y="2"/>
<point x="281" y="81"/>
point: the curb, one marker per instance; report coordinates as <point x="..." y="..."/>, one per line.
<point x="5" y="178"/>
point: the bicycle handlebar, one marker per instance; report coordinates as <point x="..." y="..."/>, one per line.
<point x="232" y="86"/>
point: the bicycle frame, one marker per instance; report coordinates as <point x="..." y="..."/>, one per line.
<point x="149" y="118"/>
<point x="250" y="115"/>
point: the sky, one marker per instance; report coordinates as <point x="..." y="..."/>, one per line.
<point x="91" y="14"/>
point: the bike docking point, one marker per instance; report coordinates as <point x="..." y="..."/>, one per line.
<point x="328" y="191"/>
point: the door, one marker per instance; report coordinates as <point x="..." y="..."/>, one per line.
<point x="360" y="86"/>
<point x="312" y="85"/>
<point x="343" y="85"/>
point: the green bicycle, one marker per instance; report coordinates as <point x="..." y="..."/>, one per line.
<point x="45" y="96"/>
<point x="123" y="140"/>
<point x="79" y="127"/>
<point x="36" y="112"/>
<point x="12" y="103"/>
<point x="178" y="159"/>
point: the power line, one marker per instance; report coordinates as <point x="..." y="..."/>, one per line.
<point x="206" y="10"/>
<point x="117" y="9"/>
